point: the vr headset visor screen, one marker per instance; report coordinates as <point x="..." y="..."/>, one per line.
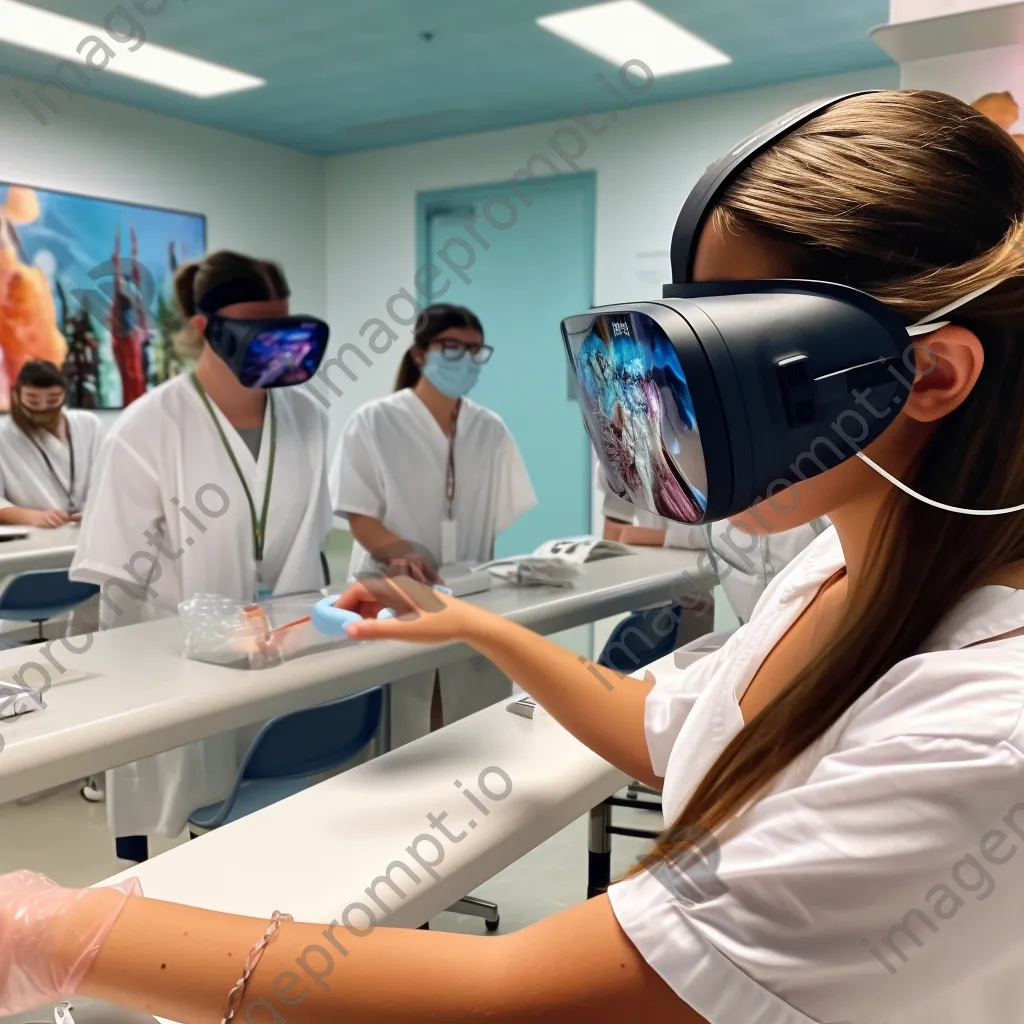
<point x="638" y="411"/>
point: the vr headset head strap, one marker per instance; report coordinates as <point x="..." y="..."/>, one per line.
<point x="724" y="171"/>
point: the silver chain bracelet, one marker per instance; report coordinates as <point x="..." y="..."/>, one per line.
<point x="236" y="995"/>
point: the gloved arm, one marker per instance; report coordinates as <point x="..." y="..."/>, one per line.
<point x="180" y="963"/>
<point x="50" y="936"/>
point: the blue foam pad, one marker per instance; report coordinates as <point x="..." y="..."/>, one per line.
<point x="442" y="590"/>
<point x="330" y="620"/>
<point x="386" y="613"/>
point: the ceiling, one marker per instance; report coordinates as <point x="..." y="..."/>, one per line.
<point x="348" y="75"/>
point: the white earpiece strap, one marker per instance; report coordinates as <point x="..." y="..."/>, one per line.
<point x="937" y="504"/>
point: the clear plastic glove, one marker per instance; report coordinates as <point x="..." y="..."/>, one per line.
<point x="50" y="936"/>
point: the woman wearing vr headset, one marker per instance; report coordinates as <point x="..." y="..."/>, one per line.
<point x="850" y="765"/>
<point x="428" y="478"/>
<point x="47" y="453"/>
<point x="213" y="483"/>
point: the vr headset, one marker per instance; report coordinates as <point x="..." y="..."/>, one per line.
<point x="274" y="353"/>
<point x="720" y="395"/>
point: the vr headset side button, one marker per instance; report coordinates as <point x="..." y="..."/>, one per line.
<point x="797" y="389"/>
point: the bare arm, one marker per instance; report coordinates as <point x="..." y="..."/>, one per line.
<point x="603" y="709"/>
<point x="180" y="963"/>
<point x="12" y="515"/>
<point x="613" y="528"/>
<point x="371" y="534"/>
<point x="643" y="536"/>
<point x="387" y="547"/>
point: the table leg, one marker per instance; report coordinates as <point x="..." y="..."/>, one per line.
<point x="599" y="851"/>
<point x="384" y="729"/>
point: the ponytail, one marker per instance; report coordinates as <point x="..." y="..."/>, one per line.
<point x="409" y="372"/>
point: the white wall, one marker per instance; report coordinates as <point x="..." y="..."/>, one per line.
<point x="258" y="198"/>
<point x="646" y="162"/>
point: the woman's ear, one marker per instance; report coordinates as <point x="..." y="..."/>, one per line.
<point x="949" y="363"/>
<point x="199" y="322"/>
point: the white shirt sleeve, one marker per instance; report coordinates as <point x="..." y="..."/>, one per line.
<point x="357" y="485"/>
<point x="514" y="494"/>
<point x="4" y="501"/>
<point x="675" y="692"/>
<point x="124" y="503"/>
<point x="852" y="896"/>
<point x="685" y="535"/>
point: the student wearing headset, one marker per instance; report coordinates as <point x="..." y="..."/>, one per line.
<point x="213" y="483"/>
<point x="855" y="751"/>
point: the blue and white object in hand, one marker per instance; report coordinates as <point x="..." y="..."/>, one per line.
<point x="330" y="620"/>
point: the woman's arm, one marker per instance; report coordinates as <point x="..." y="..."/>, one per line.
<point x="180" y="963"/>
<point x="643" y="536"/>
<point x="12" y="515"/>
<point x="603" y="709"/>
<point x="390" y="549"/>
<point x="613" y="528"/>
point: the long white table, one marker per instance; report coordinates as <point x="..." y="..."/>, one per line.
<point x="139" y="695"/>
<point x="41" y="549"/>
<point x="315" y="854"/>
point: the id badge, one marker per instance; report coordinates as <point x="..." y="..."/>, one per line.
<point x="448" y="542"/>
<point x="263" y="592"/>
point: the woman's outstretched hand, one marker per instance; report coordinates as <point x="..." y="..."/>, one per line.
<point x="50" y="936"/>
<point x="411" y="611"/>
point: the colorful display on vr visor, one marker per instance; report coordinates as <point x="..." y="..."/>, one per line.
<point x="639" y="415"/>
<point x="280" y="358"/>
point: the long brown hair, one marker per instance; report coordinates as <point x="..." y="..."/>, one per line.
<point x="194" y="280"/>
<point x="916" y="198"/>
<point x="429" y="324"/>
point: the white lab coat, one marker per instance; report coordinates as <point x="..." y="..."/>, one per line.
<point x="745" y="564"/>
<point x="878" y="877"/>
<point x="25" y="479"/>
<point x="392" y="465"/>
<point x="162" y="462"/>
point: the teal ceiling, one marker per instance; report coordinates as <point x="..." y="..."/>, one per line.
<point x="347" y="75"/>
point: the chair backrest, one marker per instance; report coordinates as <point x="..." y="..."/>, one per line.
<point x="641" y="638"/>
<point x="44" y="589"/>
<point x="314" y="740"/>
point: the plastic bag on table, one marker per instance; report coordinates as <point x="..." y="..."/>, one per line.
<point x="241" y="634"/>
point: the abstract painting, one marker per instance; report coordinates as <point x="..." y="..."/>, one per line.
<point x="87" y="284"/>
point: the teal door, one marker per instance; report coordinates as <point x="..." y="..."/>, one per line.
<point x="522" y="259"/>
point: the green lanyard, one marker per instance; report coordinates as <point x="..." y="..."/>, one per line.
<point x="259" y="528"/>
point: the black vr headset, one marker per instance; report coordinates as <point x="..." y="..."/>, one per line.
<point x="281" y="352"/>
<point x="723" y="394"/>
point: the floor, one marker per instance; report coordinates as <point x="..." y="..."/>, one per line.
<point x="66" y="838"/>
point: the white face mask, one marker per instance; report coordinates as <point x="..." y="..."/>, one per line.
<point x="927" y="325"/>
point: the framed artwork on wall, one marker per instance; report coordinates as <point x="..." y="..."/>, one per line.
<point x="86" y="283"/>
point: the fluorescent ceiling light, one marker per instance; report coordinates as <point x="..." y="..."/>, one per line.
<point x="60" y="36"/>
<point x="629" y="30"/>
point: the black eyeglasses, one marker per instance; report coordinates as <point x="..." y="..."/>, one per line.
<point x="453" y="350"/>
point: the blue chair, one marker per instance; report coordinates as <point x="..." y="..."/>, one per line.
<point x="290" y="750"/>
<point x="41" y="594"/>
<point x="641" y="638"/>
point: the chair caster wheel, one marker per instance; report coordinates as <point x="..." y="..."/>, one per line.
<point x="492" y="926"/>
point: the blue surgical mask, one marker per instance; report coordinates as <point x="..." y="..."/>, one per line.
<point x="452" y="377"/>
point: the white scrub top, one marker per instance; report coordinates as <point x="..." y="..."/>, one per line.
<point x="392" y="465"/>
<point x="162" y="463"/>
<point x="745" y="564"/>
<point x="881" y="876"/>
<point x="26" y="481"/>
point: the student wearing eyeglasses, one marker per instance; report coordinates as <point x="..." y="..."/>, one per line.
<point x="426" y="478"/>
<point x="46" y="452"/>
